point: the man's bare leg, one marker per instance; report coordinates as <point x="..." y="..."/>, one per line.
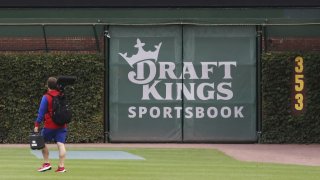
<point x="45" y="154"/>
<point x="62" y="153"/>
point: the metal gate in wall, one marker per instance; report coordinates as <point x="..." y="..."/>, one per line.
<point x="182" y="83"/>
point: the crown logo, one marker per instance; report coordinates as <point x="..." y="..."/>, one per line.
<point x="142" y="54"/>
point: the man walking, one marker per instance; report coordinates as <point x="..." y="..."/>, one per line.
<point x="51" y="131"/>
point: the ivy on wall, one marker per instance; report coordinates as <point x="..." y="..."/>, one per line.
<point x="22" y="84"/>
<point x="279" y="124"/>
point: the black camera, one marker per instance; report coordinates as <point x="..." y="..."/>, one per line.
<point x="63" y="81"/>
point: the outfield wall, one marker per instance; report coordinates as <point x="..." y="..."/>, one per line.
<point x="170" y="74"/>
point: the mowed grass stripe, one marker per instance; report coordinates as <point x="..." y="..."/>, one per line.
<point x="166" y="164"/>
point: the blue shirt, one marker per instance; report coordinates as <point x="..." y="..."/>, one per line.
<point x="42" y="109"/>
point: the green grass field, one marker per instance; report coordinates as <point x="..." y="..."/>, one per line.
<point x="164" y="164"/>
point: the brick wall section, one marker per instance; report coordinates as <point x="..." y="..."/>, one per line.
<point x="293" y="44"/>
<point x="88" y="44"/>
<point x="53" y="44"/>
<point x="21" y="44"/>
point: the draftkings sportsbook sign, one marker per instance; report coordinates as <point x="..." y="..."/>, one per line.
<point x="191" y="82"/>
